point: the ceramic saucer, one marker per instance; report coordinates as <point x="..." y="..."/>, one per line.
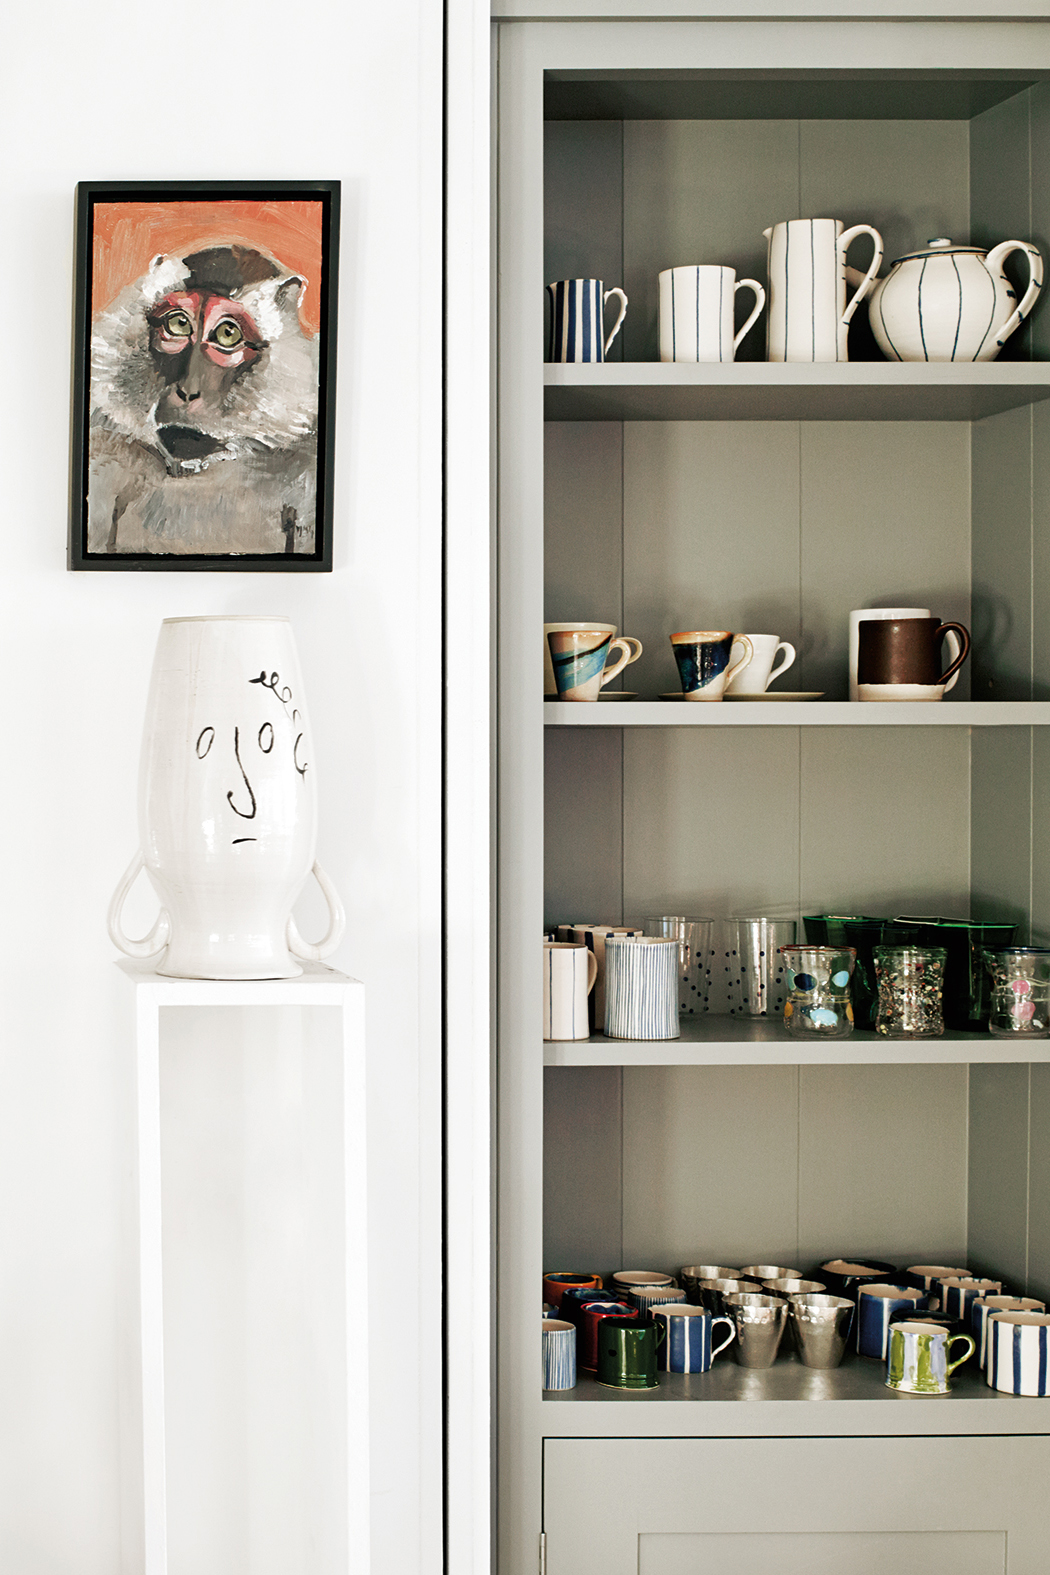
<point x="618" y="694"/>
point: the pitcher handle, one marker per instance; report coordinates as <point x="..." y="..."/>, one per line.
<point x="845" y="241"/>
<point x="610" y="672"/>
<point x="160" y="934"/>
<point x="307" y="950"/>
<point x="963" y="635"/>
<point x="760" y="301"/>
<point x="592" y="979"/>
<point x="619" y="320"/>
<point x="954" y="648"/>
<point x="743" y="660"/>
<point x="1035" y="283"/>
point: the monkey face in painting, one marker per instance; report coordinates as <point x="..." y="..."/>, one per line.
<point x="200" y="344"/>
<point x="205" y="358"/>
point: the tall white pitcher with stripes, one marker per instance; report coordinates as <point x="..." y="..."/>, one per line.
<point x="807" y="313"/>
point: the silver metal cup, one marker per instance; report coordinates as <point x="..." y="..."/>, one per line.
<point x="691" y="1276"/>
<point x="770" y="1271"/>
<point x="711" y="1293"/>
<point x="821" y="1325"/>
<point x="760" y="1322"/>
<point x="788" y="1288"/>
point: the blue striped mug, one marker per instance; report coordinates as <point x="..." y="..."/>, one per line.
<point x="578" y="320"/>
<point x="641" y="988"/>
<point x="688" y="1347"/>
<point x="559" y="1354"/>
<point x="1018" y="1345"/>
<point x="876" y="1305"/>
<point x="982" y="1310"/>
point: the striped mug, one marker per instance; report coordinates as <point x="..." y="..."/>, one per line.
<point x="919" y="1358"/>
<point x="578" y="320"/>
<point x="1017" y="1352"/>
<point x="641" y="988"/>
<point x="559" y="1354"/>
<point x="688" y="1347"/>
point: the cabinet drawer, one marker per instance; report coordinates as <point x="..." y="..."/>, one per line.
<point x="801" y="1506"/>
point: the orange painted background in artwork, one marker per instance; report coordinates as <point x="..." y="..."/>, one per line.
<point x="128" y="235"/>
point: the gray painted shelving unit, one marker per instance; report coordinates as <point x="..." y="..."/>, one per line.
<point x="759" y="496"/>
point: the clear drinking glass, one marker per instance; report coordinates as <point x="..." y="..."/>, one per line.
<point x="758" y="985"/>
<point x="694" y="957"/>
<point x="1020" y="978"/>
<point x="911" y="990"/>
<point x="819" y="1003"/>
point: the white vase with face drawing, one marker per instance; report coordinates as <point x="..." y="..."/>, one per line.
<point x="227" y="803"/>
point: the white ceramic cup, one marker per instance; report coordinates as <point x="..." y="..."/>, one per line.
<point x="696" y="313"/>
<point x="549" y="686"/>
<point x="569" y="972"/>
<point x="755" y="677"/>
<point x="928" y="691"/>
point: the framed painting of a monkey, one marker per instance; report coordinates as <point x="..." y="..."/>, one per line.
<point x="204" y="375"/>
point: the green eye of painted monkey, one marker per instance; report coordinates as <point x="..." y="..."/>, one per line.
<point x="178" y="325"/>
<point x="227" y="335"/>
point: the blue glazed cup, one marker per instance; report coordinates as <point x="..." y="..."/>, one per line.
<point x="688" y="1347"/>
<point x="703" y="661"/>
<point x="876" y="1305"/>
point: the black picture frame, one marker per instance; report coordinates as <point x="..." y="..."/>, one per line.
<point x="119" y="450"/>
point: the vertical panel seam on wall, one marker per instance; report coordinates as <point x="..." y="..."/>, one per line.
<point x="1031" y="830"/>
<point x="798" y="1164"/>
<point x="966" y="1162"/>
<point x="623" y="1163"/>
<point x="1028" y="1188"/>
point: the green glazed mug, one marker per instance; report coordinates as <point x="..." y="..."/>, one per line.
<point x="627" y="1353"/>
<point x="917" y="1363"/>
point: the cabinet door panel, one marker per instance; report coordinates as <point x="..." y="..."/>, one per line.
<point x="818" y="1553"/>
<point x="815" y="1505"/>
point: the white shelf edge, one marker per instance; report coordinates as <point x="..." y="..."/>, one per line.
<point x="771" y="1046"/>
<point x="799" y="713"/>
<point x="787" y="374"/>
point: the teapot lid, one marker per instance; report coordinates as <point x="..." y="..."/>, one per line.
<point x="939" y="246"/>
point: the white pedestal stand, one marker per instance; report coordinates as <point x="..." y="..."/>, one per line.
<point x="145" y="1540"/>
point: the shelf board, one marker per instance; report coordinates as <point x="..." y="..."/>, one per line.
<point x="799" y="713"/>
<point x="711" y="1040"/>
<point x="782" y="391"/>
<point x="793" y="1400"/>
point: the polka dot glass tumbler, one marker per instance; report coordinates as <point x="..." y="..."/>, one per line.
<point x="1020" y="992"/>
<point x="818" y="1006"/>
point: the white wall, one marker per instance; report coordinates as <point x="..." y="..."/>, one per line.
<point x="119" y="91"/>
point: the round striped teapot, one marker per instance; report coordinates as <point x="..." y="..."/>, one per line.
<point x="951" y="303"/>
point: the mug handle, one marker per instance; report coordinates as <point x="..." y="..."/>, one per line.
<point x="963" y="635"/>
<point x="160" y="934"/>
<point x="592" y="975"/>
<point x="307" y="950"/>
<point x="760" y="301"/>
<point x="846" y="239"/>
<point x="789" y="649"/>
<point x="619" y="320"/>
<point x="618" y="667"/>
<point x="732" y="1335"/>
<point x="970" y="1341"/>
<point x="740" y="639"/>
<point x="630" y="639"/>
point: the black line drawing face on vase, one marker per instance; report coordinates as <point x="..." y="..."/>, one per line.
<point x="264" y="760"/>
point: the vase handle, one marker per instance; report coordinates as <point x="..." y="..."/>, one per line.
<point x="336" y="924"/>
<point x="160" y="934"/>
